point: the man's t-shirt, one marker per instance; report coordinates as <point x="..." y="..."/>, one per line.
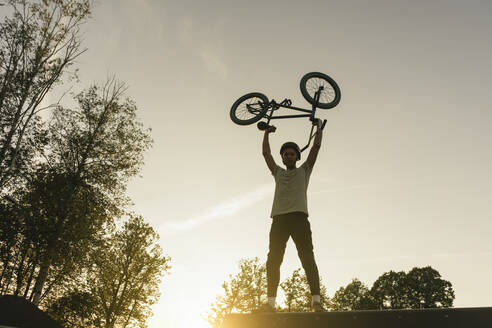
<point x="290" y="190"/>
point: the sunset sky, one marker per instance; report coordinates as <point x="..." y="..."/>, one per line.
<point x="403" y="178"/>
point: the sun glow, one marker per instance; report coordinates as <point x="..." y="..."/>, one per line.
<point x="185" y="300"/>
<point x="187" y="313"/>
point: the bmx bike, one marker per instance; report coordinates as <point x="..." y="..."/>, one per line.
<point x="320" y="90"/>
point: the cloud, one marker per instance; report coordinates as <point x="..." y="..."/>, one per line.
<point x="231" y="207"/>
<point x="213" y="62"/>
<point x="185" y="28"/>
<point x="205" y="41"/>
<point x="226" y="208"/>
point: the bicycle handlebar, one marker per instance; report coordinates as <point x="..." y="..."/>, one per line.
<point x="264" y="125"/>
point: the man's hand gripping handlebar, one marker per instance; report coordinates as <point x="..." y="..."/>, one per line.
<point x="263" y="126"/>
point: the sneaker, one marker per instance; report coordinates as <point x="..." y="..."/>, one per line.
<point x="317" y="307"/>
<point x="265" y="308"/>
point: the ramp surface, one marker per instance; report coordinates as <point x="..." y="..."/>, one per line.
<point x="425" y="318"/>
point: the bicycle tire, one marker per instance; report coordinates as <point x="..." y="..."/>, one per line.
<point x="330" y="96"/>
<point x="243" y="114"/>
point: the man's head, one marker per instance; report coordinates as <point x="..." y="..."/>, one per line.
<point x="291" y="153"/>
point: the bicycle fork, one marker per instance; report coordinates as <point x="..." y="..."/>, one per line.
<point x="313" y="119"/>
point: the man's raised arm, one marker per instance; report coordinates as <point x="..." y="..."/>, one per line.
<point x="266" y="149"/>
<point x="313" y="153"/>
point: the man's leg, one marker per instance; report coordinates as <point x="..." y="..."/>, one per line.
<point x="279" y="234"/>
<point x="302" y="236"/>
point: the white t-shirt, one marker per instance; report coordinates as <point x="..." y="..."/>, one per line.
<point x="291" y="190"/>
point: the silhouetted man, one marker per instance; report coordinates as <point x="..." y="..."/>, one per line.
<point x="290" y="215"/>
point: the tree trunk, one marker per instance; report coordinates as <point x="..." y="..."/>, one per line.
<point x="10" y="273"/>
<point x="40" y="280"/>
<point x="6" y="262"/>
<point x="29" y="280"/>
<point x="21" y="271"/>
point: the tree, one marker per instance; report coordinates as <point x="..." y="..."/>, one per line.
<point x="47" y="246"/>
<point x="80" y="188"/>
<point x="298" y="294"/>
<point x="126" y="274"/>
<point x="355" y="296"/>
<point x="62" y="187"/>
<point x="390" y="290"/>
<point x="245" y="292"/>
<point x="420" y="288"/>
<point x="38" y="44"/>
<point x="101" y="142"/>
<point x="75" y="309"/>
<point x="122" y="282"/>
<point x="428" y="290"/>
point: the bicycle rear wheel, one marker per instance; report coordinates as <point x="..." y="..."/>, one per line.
<point x="329" y="94"/>
<point x="249" y="109"/>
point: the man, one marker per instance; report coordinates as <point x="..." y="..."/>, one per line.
<point x="290" y="215"/>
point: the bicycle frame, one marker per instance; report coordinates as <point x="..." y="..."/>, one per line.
<point x="286" y="103"/>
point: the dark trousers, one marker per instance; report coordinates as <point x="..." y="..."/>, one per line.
<point x="295" y="225"/>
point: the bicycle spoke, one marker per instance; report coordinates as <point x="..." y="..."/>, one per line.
<point x="247" y="111"/>
<point x="326" y="95"/>
<point x="318" y="85"/>
<point x="249" y="108"/>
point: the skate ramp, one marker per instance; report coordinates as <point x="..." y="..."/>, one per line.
<point x="425" y="318"/>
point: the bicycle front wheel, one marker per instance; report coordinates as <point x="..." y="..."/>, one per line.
<point x="249" y="109"/>
<point x="329" y="90"/>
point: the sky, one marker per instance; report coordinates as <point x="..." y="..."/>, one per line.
<point x="402" y="179"/>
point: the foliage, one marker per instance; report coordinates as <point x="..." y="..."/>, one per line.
<point x="75" y="309"/>
<point x="247" y="291"/>
<point x="419" y="288"/>
<point x="39" y="41"/>
<point x="126" y="274"/>
<point x="298" y="294"/>
<point x="63" y="182"/>
<point x="38" y="44"/>
<point x="101" y="141"/>
<point x="47" y="236"/>
<point x="355" y="296"/>
<point x="78" y="191"/>
<point x="121" y="283"/>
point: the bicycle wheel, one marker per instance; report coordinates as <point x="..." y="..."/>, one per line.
<point x="249" y="109"/>
<point x="330" y="93"/>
